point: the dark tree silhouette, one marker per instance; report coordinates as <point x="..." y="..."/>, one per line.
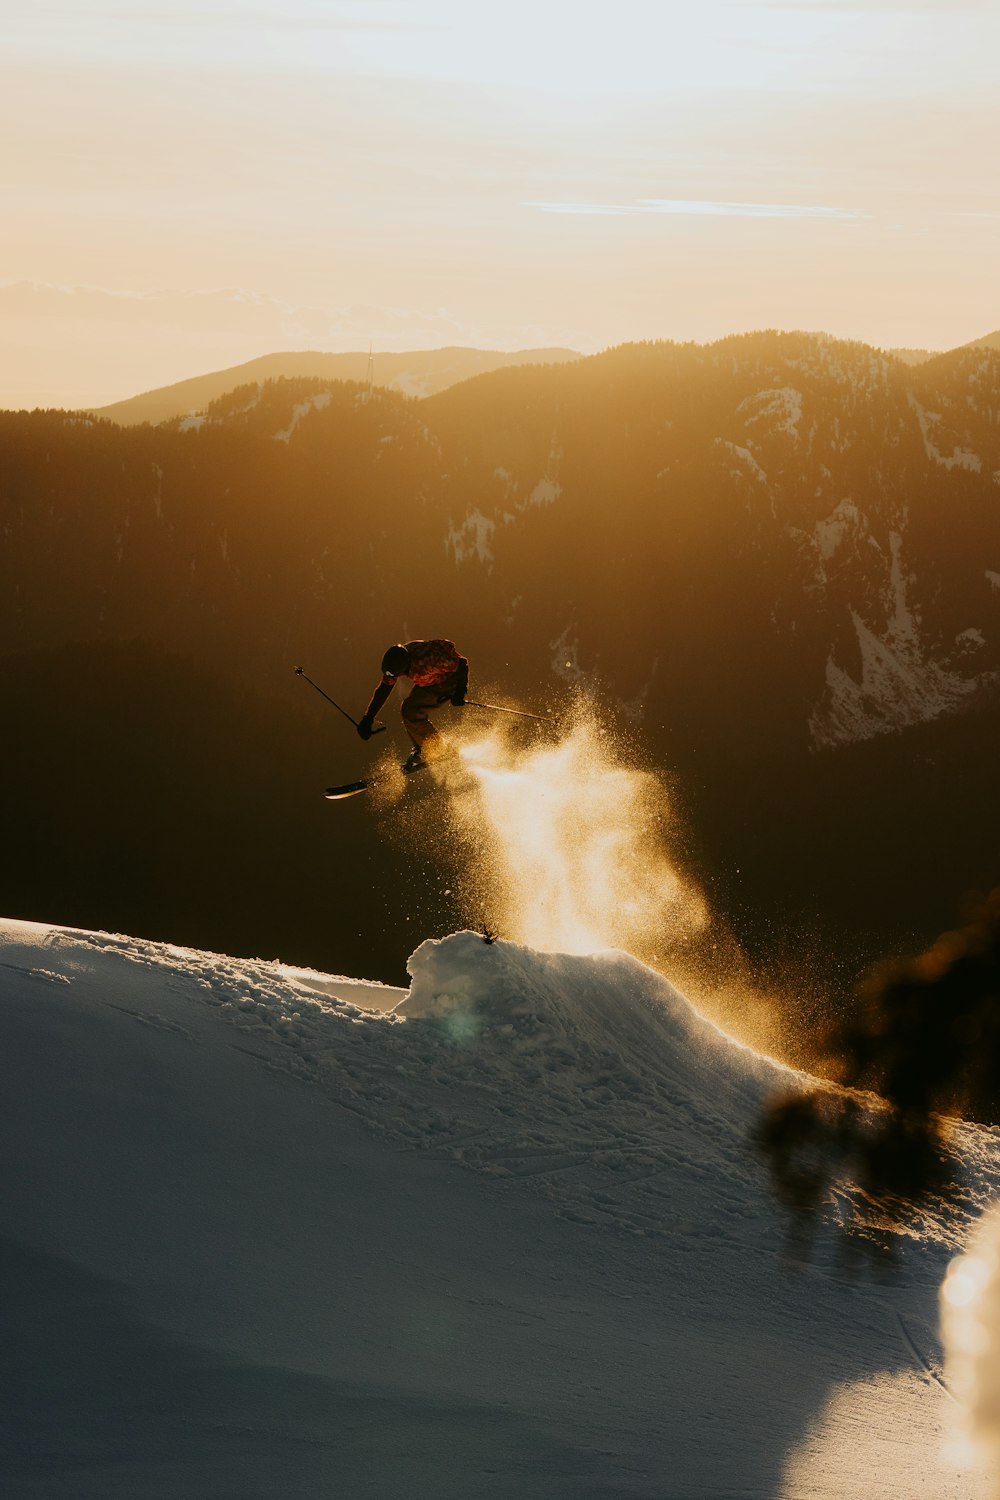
<point x="924" y="1040"/>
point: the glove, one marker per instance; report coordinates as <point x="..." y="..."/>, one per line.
<point x="458" y="698"/>
<point x="365" y="728"/>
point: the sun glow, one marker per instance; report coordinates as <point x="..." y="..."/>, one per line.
<point x="970" y="1327"/>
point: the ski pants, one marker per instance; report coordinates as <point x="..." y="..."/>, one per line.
<point x="416" y="706"/>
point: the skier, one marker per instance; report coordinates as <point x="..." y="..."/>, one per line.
<point x="439" y="675"/>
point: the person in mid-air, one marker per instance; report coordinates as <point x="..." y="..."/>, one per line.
<point x="439" y="675"/>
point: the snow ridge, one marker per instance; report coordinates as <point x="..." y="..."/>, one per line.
<point x="588" y="1102"/>
<point x="589" y="1081"/>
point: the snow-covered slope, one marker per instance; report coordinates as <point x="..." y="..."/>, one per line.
<point x="269" y="1232"/>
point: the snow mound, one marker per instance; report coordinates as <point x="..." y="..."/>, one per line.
<point x="591" y="1075"/>
<point x="587" y="1080"/>
<point x="604" y="1028"/>
<point x="233" y="1241"/>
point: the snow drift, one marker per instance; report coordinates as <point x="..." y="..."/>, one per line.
<point x="266" y="1231"/>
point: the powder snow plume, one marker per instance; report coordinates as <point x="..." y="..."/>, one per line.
<point x="568" y="848"/>
<point x="562" y="844"/>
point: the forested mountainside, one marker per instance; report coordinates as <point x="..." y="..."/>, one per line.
<point x="777" y="558"/>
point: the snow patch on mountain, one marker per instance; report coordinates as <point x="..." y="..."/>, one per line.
<point x="897" y="688"/>
<point x="545" y="492"/>
<point x="959" y="458"/>
<point x="781" y="407"/>
<point x="548" y="489"/>
<point x="409" y="384"/>
<point x="970" y="640"/>
<point x="899" y="684"/>
<point x="831" y="532"/>
<point x="471" y="540"/>
<point x="745" y="457"/>
<point x="319" y="402"/>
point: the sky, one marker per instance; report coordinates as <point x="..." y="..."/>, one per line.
<point x="185" y="187"/>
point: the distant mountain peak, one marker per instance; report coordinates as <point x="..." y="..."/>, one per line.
<point x="417" y="373"/>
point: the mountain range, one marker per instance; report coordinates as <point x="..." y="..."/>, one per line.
<point x="418" y="373"/>
<point x="921" y="356"/>
<point x="774" y="560"/>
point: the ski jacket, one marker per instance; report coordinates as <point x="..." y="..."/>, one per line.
<point x="431" y="662"/>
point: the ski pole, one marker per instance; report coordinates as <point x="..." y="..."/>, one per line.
<point x="301" y="672"/>
<point x="496" y="709"/>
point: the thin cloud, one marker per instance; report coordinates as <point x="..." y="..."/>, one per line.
<point x="220" y="13"/>
<point x="887" y="7"/>
<point x="697" y="207"/>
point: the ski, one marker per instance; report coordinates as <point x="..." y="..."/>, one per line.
<point x="352" y="788"/>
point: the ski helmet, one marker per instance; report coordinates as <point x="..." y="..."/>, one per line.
<point x="395" y="661"/>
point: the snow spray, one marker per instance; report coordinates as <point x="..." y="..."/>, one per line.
<point x="565" y="845"/>
<point x="568" y="845"/>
